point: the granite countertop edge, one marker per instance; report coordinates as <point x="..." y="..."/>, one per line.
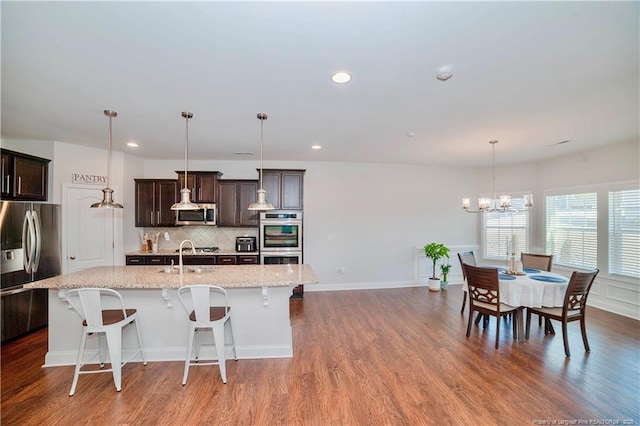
<point x="153" y="277"/>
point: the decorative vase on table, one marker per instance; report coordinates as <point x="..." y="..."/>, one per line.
<point x="443" y="285"/>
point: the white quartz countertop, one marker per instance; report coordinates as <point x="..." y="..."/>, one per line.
<point x="154" y="277"/>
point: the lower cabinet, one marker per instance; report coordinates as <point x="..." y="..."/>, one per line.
<point x="221" y="259"/>
<point x="245" y="259"/>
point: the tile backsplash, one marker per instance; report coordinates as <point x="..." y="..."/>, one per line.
<point x="202" y="236"/>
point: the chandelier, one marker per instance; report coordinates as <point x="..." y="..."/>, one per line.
<point x="500" y="204"/>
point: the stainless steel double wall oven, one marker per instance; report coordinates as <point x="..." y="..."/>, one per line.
<point x="280" y="237"/>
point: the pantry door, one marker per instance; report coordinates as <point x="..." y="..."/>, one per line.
<point x="88" y="234"/>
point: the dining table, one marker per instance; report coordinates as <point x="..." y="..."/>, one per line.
<point x="532" y="288"/>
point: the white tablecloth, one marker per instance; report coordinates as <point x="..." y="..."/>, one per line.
<point x="523" y="291"/>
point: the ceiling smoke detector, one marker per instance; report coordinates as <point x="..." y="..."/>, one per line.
<point x="444" y="73"/>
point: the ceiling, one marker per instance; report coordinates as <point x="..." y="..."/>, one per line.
<point x="529" y="74"/>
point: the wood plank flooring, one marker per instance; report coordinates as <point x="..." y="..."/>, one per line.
<point x="374" y="357"/>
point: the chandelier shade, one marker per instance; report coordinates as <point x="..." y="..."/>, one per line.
<point x="185" y="193"/>
<point x="500" y="204"/>
<point x="261" y="203"/>
<point x="107" y="193"/>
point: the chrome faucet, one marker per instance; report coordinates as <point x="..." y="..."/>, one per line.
<point x="193" y="250"/>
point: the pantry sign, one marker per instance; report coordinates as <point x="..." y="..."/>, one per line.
<point x="88" y="179"/>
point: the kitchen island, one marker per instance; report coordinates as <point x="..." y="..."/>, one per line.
<point x="258" y="296"/>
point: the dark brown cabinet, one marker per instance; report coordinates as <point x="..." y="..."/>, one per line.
<point x="203" y="185"/>
<point x="227" y="260"/>
<point x="221" y="259"/>
<point x="284" y="188"/>
<point x="154" y="198"/>
<point x="24" y="177"/>
<point x="245" y="259"/>
<point x="234" y="199"/>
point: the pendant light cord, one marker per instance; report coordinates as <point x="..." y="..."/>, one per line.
<point x="493" y="172"/>
<point x="109" y="153"/>
<point x="261" y="116"/>
<point x="187" y="116"/>
<point x="261" y="145"/>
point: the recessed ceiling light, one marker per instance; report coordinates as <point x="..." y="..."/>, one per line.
<point x="411" y="134"/>
<point x="316" y="147"/>
<point x="341" y="77"/>
<point x="132" y="144"/>
<point x="243" y="153"/>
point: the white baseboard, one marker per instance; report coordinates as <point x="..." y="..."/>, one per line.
<point x="363" y="286"/>
<point x="61" y="358"/>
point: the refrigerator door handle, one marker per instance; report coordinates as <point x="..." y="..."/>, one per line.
<point x="37" y="230"/>
<point x="26" y="246"/>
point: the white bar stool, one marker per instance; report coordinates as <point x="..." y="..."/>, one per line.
<point x="107" y="324"/>
<point x="204" y="315"/>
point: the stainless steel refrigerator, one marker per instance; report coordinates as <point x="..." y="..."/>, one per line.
<point x="30" y="238"/>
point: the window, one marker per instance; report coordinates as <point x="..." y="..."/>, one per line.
<point x="498" y="229"/>
<point x="624" y="233"/>
<point x="572" y="229"/>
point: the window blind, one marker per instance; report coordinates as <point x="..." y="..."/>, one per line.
<point x="572" y="229"/>
<point x="624" y="233"/>
<point x="498" y="229"/>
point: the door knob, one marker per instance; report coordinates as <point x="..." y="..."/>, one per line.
<point x="72" y="257"/>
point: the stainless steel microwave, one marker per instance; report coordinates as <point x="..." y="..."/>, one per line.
<point x="204" y="216"/>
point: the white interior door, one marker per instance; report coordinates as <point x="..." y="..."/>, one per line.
<point x="88" y="233"/>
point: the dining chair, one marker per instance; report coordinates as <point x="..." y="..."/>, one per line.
<point x="542" y="262"/>
<point x="465" y="258"/>
<point x="107" y="325"/>
<point x="199" y="302"/>
<point x="484" y="297"/>
<point x="573" y="307"/>
<point x="537" y="261"/>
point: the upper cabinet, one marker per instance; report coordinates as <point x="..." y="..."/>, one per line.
<point x="154" y="198"/>
<point x="24" y="177"/>
<point x="284" y="188"/>
<point x="234" y="199"/>
<point x="203" y="185"/>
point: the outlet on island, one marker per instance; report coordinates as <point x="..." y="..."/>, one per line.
<point x="343" y="269"/>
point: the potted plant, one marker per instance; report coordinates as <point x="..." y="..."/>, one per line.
<point x="435" y="252"/>
<point x="445" y="268"/>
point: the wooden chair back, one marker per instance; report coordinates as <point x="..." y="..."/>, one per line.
<point x="537" y="261"/>
<point x="575" y="299"/>
<point x="466" y="258"/>
<point x="483" y="285"/>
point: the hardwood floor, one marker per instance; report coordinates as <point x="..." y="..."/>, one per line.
<point x="375" y="357"/>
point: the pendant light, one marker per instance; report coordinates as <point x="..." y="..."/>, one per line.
<point x="500" y="204"/>
<point x="261" y="204"/>
<point x="107" y="192"/>
<point x="185" y="194"/>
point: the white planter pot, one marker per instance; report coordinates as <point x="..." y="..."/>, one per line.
<point x="434" y="284"/>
